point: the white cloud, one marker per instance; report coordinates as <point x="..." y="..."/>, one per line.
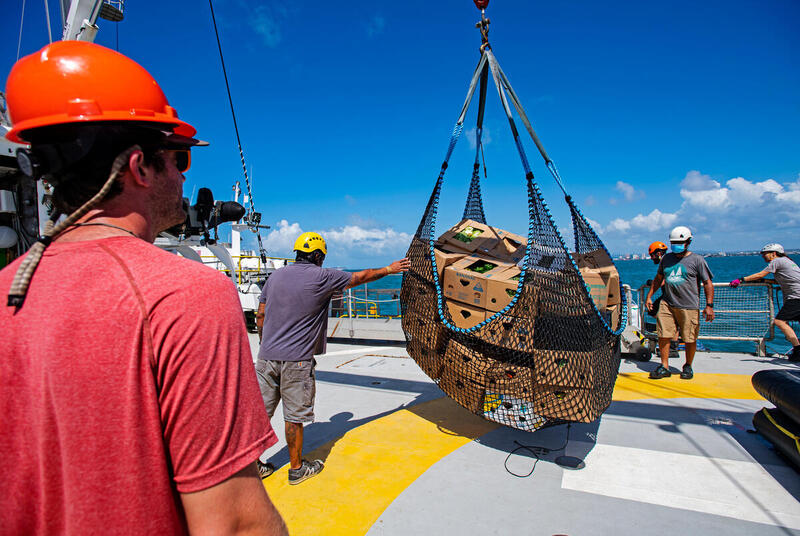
<point x="694" y="180"/>
<point x="651" y="222"/>
<point x="266" y="22"/>
<point x="486" y="137"/>
<point x="369" y="241"/>
<point x="342" y="241"/>
<point x="628" y="191"/>
<point x="736" y="215"/>
<point x="595" y="225"/>
<point x="281" y="238"/>
<point x="376" y="25"/>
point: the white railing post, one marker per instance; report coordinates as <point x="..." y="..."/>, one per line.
<point x="350" y="310"/>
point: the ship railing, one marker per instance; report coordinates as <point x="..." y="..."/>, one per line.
<point x="745" y="313"/>
<point x="247" y="266"/>
<point x="363" y="302"/>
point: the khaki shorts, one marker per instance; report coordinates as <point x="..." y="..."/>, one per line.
<point x="671" y="320"/>
<point x="293" y="382"/>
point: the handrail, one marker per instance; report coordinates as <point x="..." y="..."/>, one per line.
<point x="744" y="313"/>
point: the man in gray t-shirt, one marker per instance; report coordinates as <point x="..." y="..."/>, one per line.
<point x="682" y="273"/>
<point x="787" y="275"/>
<point x="292" y="321"/>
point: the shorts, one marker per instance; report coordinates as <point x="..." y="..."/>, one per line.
<point x="293" y="382"/>
<point x="671" y="320"/>
<point x="790" y="310"/>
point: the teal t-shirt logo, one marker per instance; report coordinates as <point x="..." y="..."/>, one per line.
<point x="676" y="275"/>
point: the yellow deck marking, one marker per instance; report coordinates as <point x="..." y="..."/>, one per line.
<point x="367" y="468"/>
<point x="637" y="386"/>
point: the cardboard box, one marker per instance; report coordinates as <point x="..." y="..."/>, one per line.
<point x="615" y="313"/>
<point x="614" y="296"/>
<point x="563" y="369"/>
<point x="603" y="285"/>
<point x="467" y="279"/>
<point x="510" y="247"/>
<point x="464" y="376"/>
<point x="597" y="258"/>
<point x="570" y="404"/>
<point x="445" y="259"/>
<point x="512" y="380"/>
<point x="510" y="332"/>
<point x="471" y="236"/>
<point x="597" y="282"/>
<point x="450" y="248"/>
<point x="465" y="316"/>
<point x="502" y="289"/>
<point x="418" y="293"/>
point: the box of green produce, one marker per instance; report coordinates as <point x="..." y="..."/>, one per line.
<point x="471" y="236"/>
<point x="467" y="280"/>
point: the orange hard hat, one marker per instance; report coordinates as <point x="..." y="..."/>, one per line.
<point x="656" y="246"/>
<point x="75" y="82"/>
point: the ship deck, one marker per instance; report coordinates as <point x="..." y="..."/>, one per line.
<point x="669" y="456"/>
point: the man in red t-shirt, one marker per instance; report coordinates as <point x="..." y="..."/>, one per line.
<point x="126" y="407"/>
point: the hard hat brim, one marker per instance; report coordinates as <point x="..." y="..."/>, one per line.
<point x="180" y="128"/>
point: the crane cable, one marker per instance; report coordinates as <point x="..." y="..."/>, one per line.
<point x="261" y="250"/>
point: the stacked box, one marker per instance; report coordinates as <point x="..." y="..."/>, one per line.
<point x="465" y="316"/>
<point x="600" y="276"/>
<point x="563" y="368"/>
<point x="568" y="403"/>
<point x="510" y="332"/>
<point x="467" y="280"/>
<point x="464" y="374"/>
<point x="470" y="236"/>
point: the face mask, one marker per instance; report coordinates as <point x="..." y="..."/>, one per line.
<point x="678" y="248"/>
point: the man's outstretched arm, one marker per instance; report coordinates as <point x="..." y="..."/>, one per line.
<point x="239" y="505"/>
<point x="373" y="274"/>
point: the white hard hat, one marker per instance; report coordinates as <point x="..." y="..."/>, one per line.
<point x="680" y="234"/>
<point x="777" y="248"/>
<point x="8" y="238"/>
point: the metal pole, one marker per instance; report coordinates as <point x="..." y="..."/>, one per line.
<point x="350" y="310"/>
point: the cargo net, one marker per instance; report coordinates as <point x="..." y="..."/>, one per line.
<point x="548" y="357"/>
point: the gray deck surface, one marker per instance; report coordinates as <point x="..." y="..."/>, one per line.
<point x="656" y="466"/>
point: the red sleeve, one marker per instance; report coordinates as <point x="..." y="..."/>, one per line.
<point x="214" y="419"/>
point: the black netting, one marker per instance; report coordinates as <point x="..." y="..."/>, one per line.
<point x="473" y="209"/>
<point x="549" y="357"/>
<point x="585" y="238"/>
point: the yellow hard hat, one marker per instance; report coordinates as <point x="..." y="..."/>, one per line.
<point x="308" y="242"/>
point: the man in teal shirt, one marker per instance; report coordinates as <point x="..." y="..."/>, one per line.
<point x="683" y="272"/>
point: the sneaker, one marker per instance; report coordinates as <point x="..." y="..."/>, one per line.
<point x="265" y="469"/>
<point x="659" y="373"/>
<point x="306" y="470"/>
<point x="687" y="373"/>
<point x="793" y="355"/>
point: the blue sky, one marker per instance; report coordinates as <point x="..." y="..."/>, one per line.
<point x="657" y="114"/>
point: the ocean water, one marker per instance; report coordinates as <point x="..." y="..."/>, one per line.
<point x="384" y="293"/>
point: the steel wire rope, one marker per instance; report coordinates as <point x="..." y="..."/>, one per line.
<point x="261" y="250"/>
<point x="21" y="21"/>
<point x="47" y="17"/>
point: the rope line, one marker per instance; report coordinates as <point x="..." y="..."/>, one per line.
<point x="21" y="20"/>
<point x="22" y="279"/>
<point x="261" y="249"/>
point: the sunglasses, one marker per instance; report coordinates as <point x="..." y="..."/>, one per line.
<point x="183" y="158"/>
